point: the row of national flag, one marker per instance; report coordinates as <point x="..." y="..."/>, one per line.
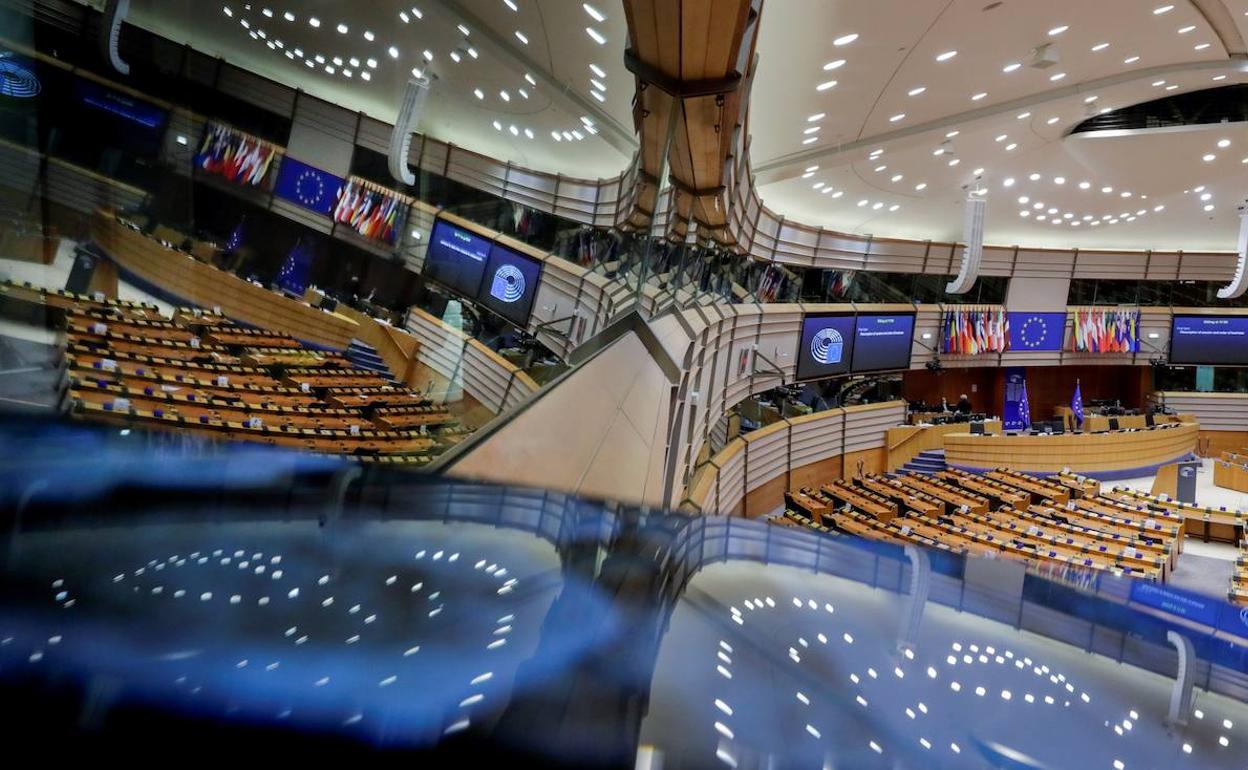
<point x="371" y="212"/>
<point x="1106" y="331"/>
<point x="971" y="331"/>
<point x="230" y="153"/>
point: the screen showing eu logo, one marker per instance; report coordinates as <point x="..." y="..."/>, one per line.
<point x="826" y="347"/>
<point x="510" y="285"/>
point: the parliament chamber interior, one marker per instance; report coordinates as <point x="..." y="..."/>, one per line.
<point x="488" y="381"/>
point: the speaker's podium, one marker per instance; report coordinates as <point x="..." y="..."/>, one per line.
<point x="1178" y="480"/>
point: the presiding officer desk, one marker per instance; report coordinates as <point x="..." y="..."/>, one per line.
<point x="1106" y="455"/>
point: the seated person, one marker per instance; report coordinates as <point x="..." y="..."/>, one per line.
<point x="964" y="405"/>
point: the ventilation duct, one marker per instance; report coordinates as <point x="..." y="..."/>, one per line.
<point x="114" y="14"/>
<point x="414" y="98"/>
<point x="973" y="252"/>
<point x="1235" y="289"/>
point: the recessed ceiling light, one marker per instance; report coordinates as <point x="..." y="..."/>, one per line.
<point x="477" y="92"/>
<point x="523" y="38"/>
<point x="979" y="96"/>
<point x="1057" y="76"/>
<point x="1158" y="83"/>
<point x="1100" y="46"/>
<point x="288" y="16"/>
<point x="838" y="193"/>
<point x="954" y="162"/>
<point x="1024" y="199"/>
<point x="594" y="68"/>
<point x="863" y="202"/>
<point x="1058" y="30"/>
<point x="1200" y="46"/>
<point x="897" y="178"/>
<point x="810" y="140"/>
<point x="342" y="29"/>
<point x="1090" y="99"/>
<point x="595" y="35"/>
<point x="897" y="117"/>
<point x="528" y="78"/>
<point x="1159" y="10"/>
<point x="1206" y="196"/>
<point x="811" y="169"/>
<point x="952" y="134"/>
<point x="845" y="39"/>
<point x="824" y="86"/>
<point x="1158" y="208"/>
<point x="877" y="206"/>
<point x="811" y="130"/>
<point x="808" y="175"/>
<point x="920" y="187"/>
<point x="834" y="65"/>
<point x="1224" y="143"/>
<point x="597" y="85"/>
<point x="1024" y="115"/>
<point x="1011" y="147"/>
<point x="394" y="52"/>
<point x="315" y="22"/>
<point x="1011" y="67"/>
<point x="1084" y="185"/>
<point x="427" y="54"/>
<point x="504" y="96"/>
<point x="593" y="12"/>
<point x="1217" y="78"/>
<point x="1209" y="207"/>
<point x="1059" y="180"/>
<point x="1131" y="60"/>
<point x="1209" y="158"/>
<point x="1188" y="28"/>
<point x="916" y="91"/>
<point x="1008" y="182"/>
<point x="816" y="116"/>
<point x="1001" y="138"/>
<point x="511" y="5"/>
<point x="366" y="75"/>
<point x="1171" y="87"/>
<point x="1125" y="194"/>
<point x="878" y="169"/>
<point x="1034" y="177"/>
<point x="946" y="56"/>
<point x="1052" y="120"/>
<point x="498" y="126"/>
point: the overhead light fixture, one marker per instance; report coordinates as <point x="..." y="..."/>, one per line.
<point x="1162" y="9"/>
<point x="1011" y="67"/>
<point x="1188" y="28"/>
<point x="595" y="35"/>
<point x="593" y="12"/>
<point x="1058" y="30"/>
<point x="817" y="116"/>
<point x="1200" y="46"/>
<point x="834" y="65"/>
<point x="845" y="39"/>
<point x="522" y="37"/>
<point x="916" y="91"/>
<point x="314" y="22"/>
<point x="897" y="117"/>
<point x="594" y="68"/>
<point x="1131" y="60"/>
<point x="824" y="86"/>
<point x="946" y="56"/>
<point x="342" y="29"/>
<point x="1024" y="115"/>
<point x="394" y="52"/>
<point x="979" y="96"/>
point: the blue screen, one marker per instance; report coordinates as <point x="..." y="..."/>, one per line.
<point x="510" y="284"/>
<point x="1186" y="604"/>
<point x="1209" y="339"/>
<point x="456" y="258"/>
<point x="883" y="342"/>
<point x="827" y="346"/>
<point x="1037" y="331"/>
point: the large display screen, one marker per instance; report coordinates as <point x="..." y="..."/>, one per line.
<point x="1209" y="340"/>
<point x="117" y="119"/>
<point x="882" y="342"/>
<point x="510" y="284"/>
<point x="827" y="346"/>
<point x="456" y="258"/>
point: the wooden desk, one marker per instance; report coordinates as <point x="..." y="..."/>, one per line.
<point x="204" y="285"/>
<point x="1080" y="452"/>
<point x="905" y="442"/>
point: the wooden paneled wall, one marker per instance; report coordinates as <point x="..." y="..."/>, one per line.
<point x="750" y="475"/>
<point x="1047" y="386"/>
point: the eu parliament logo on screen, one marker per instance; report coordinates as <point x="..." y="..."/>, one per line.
<point x="827" y="346"/>
<point x="508" y="284"/>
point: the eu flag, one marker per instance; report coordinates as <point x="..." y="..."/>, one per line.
<point x="1037" y="331"/>
<point x="1076" y="405"/>
<point x="307" y="186"/>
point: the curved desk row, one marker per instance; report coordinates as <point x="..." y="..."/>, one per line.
<point x="175" y="273"/>
<point x="1114" y="455"/>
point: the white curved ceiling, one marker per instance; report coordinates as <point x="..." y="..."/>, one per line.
<point x="548" y="41"/>
<point x="893" y="92"/>
<point x="896" y="92"/>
